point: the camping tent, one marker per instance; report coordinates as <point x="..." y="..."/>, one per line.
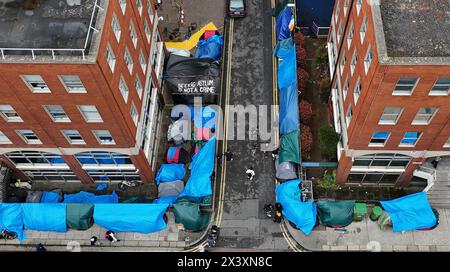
<point x="289" y="148"/>
<point x="284" y="23"/>
<point x="287" y="68"/>
<point x="289" y="117"/>
<point x="285" y="170"/>
<point x="177" y="155"/>
<point x="336" y="213"/>
<point x="44" y="216"/>
<point x="170" y="172"/>
<point x="178" y="131"/>
<point x="11" y="218"/>
<point x="188" y="213"/>
<point x="86" y="198"/>
<point x="173" y="188"/>
<point x="210" y="48"/>
<point x="80" y="216"/>
<point x="410" y="212"/>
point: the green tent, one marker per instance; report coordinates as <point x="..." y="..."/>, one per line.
<point x="80" y="216"/>
<point x="336" y="213"/>
<point x="290" y="148"/>
<point x="188" y="213"/>
<point x="137" y="199"/>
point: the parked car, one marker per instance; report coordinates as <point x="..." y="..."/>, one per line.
<point x="237" y="8"/>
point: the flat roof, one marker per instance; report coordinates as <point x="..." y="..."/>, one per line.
<point x="53" y="24"/>
<point x="416" y="28"/>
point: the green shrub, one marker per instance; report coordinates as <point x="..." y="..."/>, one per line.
<point x="328" y="181"/>
<point x="325" y="89"/>
<point x="328" y="140"/>
<point x="322" y="54"/>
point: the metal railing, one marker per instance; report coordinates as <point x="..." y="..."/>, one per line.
<point x="54" y="51"/>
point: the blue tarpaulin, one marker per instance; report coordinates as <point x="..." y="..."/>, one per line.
<point x="410" y="212"/>
<point x="204" y="117"/>
<point x="50" y="197"/>
<point x="101" y="186"/>
<point x="89" y="198"/>
<point x="170" y="172"/>
<point x="289" y="120"/>
<point x="211" y="48"/>
<point x="282" y="23"/>
<point x="44" y="216"/>
<point x="11" y="218"/>
<point x="202" y="166"/>
<point x="287" y="68"/>
<point x="302" y="214"/>
<point x="142" y="218"/>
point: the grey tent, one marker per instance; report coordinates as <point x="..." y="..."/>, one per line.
<point x="285" y="170"/>
<point x="178" y="131"/>
<point x="170" y="188"/>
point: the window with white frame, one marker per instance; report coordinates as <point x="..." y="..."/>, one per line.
<point x="116" y="27"/>
<point x="151" y="14"/>
<point x="139" y="6"/>
<point x="390" y="116"/>
<point x="72" y="84"/>
<point x="348" y="117"/>
<point x="441" y="86"/>
<point x="351" y="33"/>
<point x="103" y="137"/>
<point x="134" y="113"/>
<point x="57" y="113"/>
<point x="362" y="31"/>
<point x="138" y="86"/>
<point x="410" y="138"/>
<point x="345" y="7"/>
<point x="23" y="158"/>
<point x="338" y="10"/>
<point x="28" y="136"/>
<point x="90" y="113"/>
<point x="368" y="60"/>
<point x="339" y="34"/>
<point x="354" y="62"/>
<point x="346" y="87"/>
<point x="9" y="114"/>
<point x="133" y="35"/>
<point x="4" y="139"/>
<point x="447" y="143"/>
<point x="73" y="136"/>
<point x="405" y="86"/>
<point x="110" y="57"/>
<point x="36" y="83"/>
<point x="357" y="90"/>
<point x="103" y="158"/>
<point x="358" y="6"/>
<point x="148" y="33"/>
<point x="142" y="61"/>
<point x="424" y="116"/>
<point x="343" y="61"/>
<point x="123" y="88"/>
<point x="123" y="5"/>
<point x="128" y="60"/>
<point x="379" y="138"/>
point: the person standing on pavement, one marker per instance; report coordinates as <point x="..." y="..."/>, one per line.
<point x="110" y="236"/>
<point x="94" y="241"/>
<point x="229" y="155"/>
<point x="40" y="248"/>
<point x="250" y="173"/>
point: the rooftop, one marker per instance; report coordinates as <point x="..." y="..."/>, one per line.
<point x="46" y="24"/>
<point x="416" y="28"/>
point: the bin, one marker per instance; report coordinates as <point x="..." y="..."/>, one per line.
<point x="360" y="211"/>
<point x="376" y="213"/>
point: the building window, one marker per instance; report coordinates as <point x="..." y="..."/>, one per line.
<point x="114" y="175"/>
<point x="36" y="83"/>
<point x="354" y="62"/>
<point x="346" y="87"/>
<point x="9" y="114"/>
<point x="405" y="86"/>
<point x="110" y="58"/>
<point x="148" y="33"/>
<point x="4" y="139"/>
<point x="447" y="144"/>
<point x="142" y="61"/>
<point x="57" y="113"/>
<point x="441" y="87"/>
<point x="379" y="138"/>
<point x="116" y="27"/>
<point x="339" y="34"/>
<point x="351" y="33"/>
<point x="90" y="114"/>
<point x="338" y="10"/>
<point x="103" y="137"/>
<point x="123" y="5"/>
<point x="138" y="86"/>
<point x="348" y="118"/>
<point x="139" y="6"/>
<point x="357" y="91"/>
<point x="343" y="61"/>
<point x="128" y="60"/>
<point x="387" y="160"/>
<point x="134" y="113"/>
<point x="345" y="7"/>
<point x="28" y="136"/>
<point x="390" y="116"/>
<point x="150" y="10"/>
<point x="73" y="84"/>
<point x="368" y="60"/>
<point x="358" y="6"/>
<point x="21" y="158"/>
<point x="424" y="116"/>
<point x="410" y="138"/>
<point x="362" y="31"/>
<point x="133" y="35"/>
<point x="73" y="136"/>
<point x="123" y="88"/>
<point x="103" y="158"/>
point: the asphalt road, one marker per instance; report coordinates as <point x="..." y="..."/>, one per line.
<point x="243" y="223"/>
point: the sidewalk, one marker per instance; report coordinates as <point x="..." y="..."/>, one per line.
<point x="367" y="236"/>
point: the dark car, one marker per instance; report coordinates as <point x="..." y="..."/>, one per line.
<point x="237" y="8"/>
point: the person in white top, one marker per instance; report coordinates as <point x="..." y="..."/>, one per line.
<point x="250" y="173"/>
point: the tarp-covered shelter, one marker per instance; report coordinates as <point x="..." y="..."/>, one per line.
<point x="287" y="67"/>
<point x="86" y="198"/>
<point x="51" y="197"/>
<point x="142" y="218"/>
<point x="336" y="213"/>
<point x="284" y="24"/>
<point x="178" y="131"/>
<point x="11" y="218"/>
<point x="289" y="117"/>
<point x="411" y="212"/>
<point x="170" y="172"/>
<point x="80" y="216"/>
<point x="289" y="148"/>
<point x="173" y="188"/>
<point x="285" y="170"/>
<point x="176" y="154"/>
<point x="44" y="216"/>
<point x="210" y="48"/>
<point x="188" y="213"/>
<point x="302" y="214"/>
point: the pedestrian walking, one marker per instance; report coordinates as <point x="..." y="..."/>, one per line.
<point x="278" y="215"/>
<point x="229" y="155"/>
<point x="40" y="248"/>
<point x="250" y="173"/>
<point x="95" y="241"/>
<point x="110" y="236"/>
<point x="275" y="154"/>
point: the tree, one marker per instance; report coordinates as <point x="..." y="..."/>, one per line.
<point x="325" y="89"/>
<point x="306" y="140"/>
<point x="305" y="109"/>
<point x="322" y="54"/>
<point x="301" y="56"/>
<point x="328" y="140"/>
<point x="299" y="39"/>
<point x="302" y="78"/>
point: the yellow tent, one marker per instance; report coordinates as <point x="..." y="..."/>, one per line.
<point x="193" y="40"/>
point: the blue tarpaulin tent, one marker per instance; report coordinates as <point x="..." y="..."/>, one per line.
<point x="302" y="214"/>
<point x="50" y="197"/>
<point x="11" y="218"/>
<point x="282" y="24"/>
<point x="44" y="216"/>
<point x="202" y="166"/>
<point x="287" y="68"/>
<point x="211" y="48"/>
<point x="87" y="198"/>
<point x="170" y="172"/>
<point x="410" y="212"/>
<point x="289" y="120"/>
<point x="142" y="218"/>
